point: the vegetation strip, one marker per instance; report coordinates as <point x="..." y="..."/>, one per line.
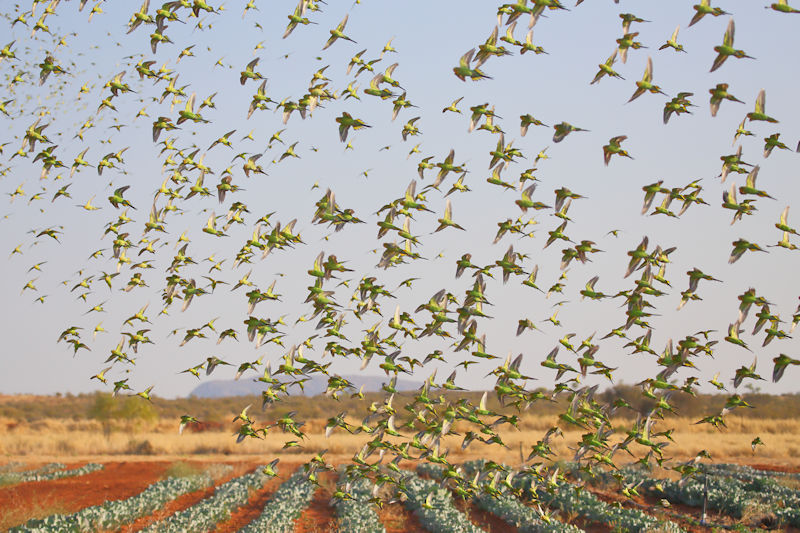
<point x="434" y="507"/>
<point x="505" y="506"/>
<point x="285" y="506"/>
<point x="113" y="514"/>
<point x="50" y="472"/>
<point x="574" y="499"/>
<point x="207" y="513"/>
<point x="727" y="495"/>
<point x="355" y="512"/>
<point x="9" y="476"/>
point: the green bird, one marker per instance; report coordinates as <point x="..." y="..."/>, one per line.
<point x="269" y="469"/>
<point x="526" y="201"/>
<point x="718" y="94"/>
<point x="645" y="84"/>
<point x="47" y="67"/>
<point x="726" y="49"/>
<point x="146" y="393"/>
<point x="759" y="113"/>
<point x="346" y="121"/>
<point x="3" y="110"/>
<point x="745" y="372"/>
<point x="729" y="201"/>
<point x="627" y="42"/>
<point x="672" y="42"/>
<point x="704" y="8"/>
<point x="120" y="385"/>
<point x="163" y="123"/>
<point x="375" y="90"/>
<point x="297" y="17"/>
<point x="447" y="166"/>
<point x="6" y="52"/>
<point x="447" y="220"/>
<point x="742" y="131"/>
<point x="650" y="192"/>
<point x="188" y="112"/>
<point x="528" y="45"/>
<point x="198" y="5"/>
<point x="224" y="140"/>
<point x="338" y="33"/>
<point x="563" y="129"/>
<point x="589" y="292"/>
<point x="781" y="363"/>
<point x="783" y="223"/>
<point x="158" y="37"/>
<point x="678" y="105"/>
<point x="251" y="165"/>
<point x="613" y="148"/>
<point x="249" y="73"/>
<point x="557" y="234"/>
<point x="34" y="134"/>
<point x="140" y="17"/>
<point x="117" y="200"/>
<point x="529" y="120"/>
<point x="606" y="70"/>
<point x="185" y="421"/>
<point x="740" y="247"/>
<point x="489" y="48"/>
<point x="772" y="142"/>
<point x="464" y="71"/>
<point x="782" y="6"/>
<point x="750" y="185"/>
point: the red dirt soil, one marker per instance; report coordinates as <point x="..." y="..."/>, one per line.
<point x="252" y="510"/>
<point x="482" y="519"/>
<point x="397" y="519"/>
<point x="777" y="468"/>
<point x="319" y="516"/>
<point x="184" y="501"/>
<point x="38" y="499"/>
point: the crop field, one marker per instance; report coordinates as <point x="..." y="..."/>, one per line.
<point x="64" y="469"/>
<point x="164" y="496"/>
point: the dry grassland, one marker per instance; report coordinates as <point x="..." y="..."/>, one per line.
<point x="52" y="439"/>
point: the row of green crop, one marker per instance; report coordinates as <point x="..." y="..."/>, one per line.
<point x="19" y="476"/>
<point x="10" y="467"/>
<point x="285" y="506"/>
<point x="48" y="472"/>
<point x="434" y="507"/>
<point x="113" y="514"/>
<point x="207" y="513"/>
<point x="730" y="496"/>
<point x="574" y="499"/>
<point x="745" y="472"/>
<point x="506" y="506"/>
<point x="355" y="512"/>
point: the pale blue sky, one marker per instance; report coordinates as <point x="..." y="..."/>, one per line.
<point x="430" y="38"/>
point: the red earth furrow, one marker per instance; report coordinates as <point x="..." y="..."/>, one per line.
<point x="252" y="510"/>
<point x="184" y="501"/>
<point x="483" y="519"/>
<point x="37" y="499"/>
<point x="397" y="519"/>
<point x="319" y="516"/>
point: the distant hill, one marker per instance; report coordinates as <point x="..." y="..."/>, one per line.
<point x="316" y="385"/>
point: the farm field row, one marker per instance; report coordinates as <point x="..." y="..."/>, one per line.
<point x="155" y="497"/>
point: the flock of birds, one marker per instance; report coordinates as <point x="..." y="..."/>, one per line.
<point x="144" y="243"/>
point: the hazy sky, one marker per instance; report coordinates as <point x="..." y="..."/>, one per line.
<point x="430" y="38"/>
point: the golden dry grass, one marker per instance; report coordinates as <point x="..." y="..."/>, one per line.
<point x="41" y="508"/>
<point x="85" y="439"/>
